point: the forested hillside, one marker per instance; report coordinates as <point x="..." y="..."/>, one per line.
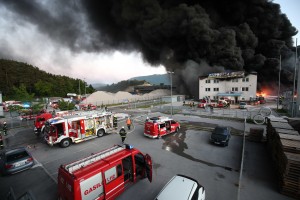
<point x="121" y="86"/>
<point x="18" y="76"/>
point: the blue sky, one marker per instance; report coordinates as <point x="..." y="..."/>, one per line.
<point x="292" y="9"/>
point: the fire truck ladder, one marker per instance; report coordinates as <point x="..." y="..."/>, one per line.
<point x="91" y="159"/>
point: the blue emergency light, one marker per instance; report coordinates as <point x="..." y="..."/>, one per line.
<point x="128" y="146"/>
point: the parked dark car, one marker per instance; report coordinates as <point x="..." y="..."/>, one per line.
<point x="220" y="135"/>
<point x="15" y="160"/>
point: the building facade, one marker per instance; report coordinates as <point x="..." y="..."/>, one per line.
<point x="236" y="86"/>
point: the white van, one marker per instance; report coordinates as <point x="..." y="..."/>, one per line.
<point x="182" y="187"/>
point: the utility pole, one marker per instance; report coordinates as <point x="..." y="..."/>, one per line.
<point x="169" y="72"/>
<point x="79" y="90"/>
<point x="85" y="92"/>
<point x="294" y="88"/>
<point x="279" y="81"/>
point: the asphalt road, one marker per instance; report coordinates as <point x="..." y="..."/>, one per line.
<point x="187" y="152"/>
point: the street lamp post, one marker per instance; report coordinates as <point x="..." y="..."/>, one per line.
<point x="279" y="81"/>
<point x="169" y="72"/>
<point x="85" y="92"/>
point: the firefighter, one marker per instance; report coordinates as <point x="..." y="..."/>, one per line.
<point x="147" y="119"/>
<point x="123" y="134"/>
<point x="128" y="122"/>
<point x="1" y="142"/>
<point x="4" y="128"/>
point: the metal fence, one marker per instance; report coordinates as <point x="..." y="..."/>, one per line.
<point x="258" y="115"/>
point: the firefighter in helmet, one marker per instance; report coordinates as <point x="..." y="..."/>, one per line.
<point x="4" y="128"/>
<point x="1" y="142"/>
<point x="123" y="134"/>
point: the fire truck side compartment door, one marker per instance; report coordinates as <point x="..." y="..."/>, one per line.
<point x="92" y="187"/>
<point x="148" y="165"/>
<point x="82" y="128"/>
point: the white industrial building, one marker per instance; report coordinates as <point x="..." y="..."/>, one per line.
<point x="236" y="86"/>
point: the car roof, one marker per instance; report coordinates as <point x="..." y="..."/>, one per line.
<point x="12" y="151"/>
<point x="179" y="187"/>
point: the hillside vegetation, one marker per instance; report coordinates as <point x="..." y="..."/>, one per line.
<point x="121" y="86"/>
<point x="21" y="81"/>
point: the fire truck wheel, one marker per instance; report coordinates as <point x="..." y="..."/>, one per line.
<point x="65" y="143"/>
<point x="100" y="132"/>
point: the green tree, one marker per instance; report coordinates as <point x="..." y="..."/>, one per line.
<point x="43" y="88"/>
<point x="21" y="94"/>
<point x="65" y="105"/>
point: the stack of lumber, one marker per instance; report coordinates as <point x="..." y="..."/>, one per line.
<point x="256" y="134"/>
<point x="284" y="145"/>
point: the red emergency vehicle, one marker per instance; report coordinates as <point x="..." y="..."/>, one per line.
<point x="103" y="175"/>
<point x="77" y="128"/>
<point x="159" y="126"/>
<point x="219" y="104"/>
<point x="39" y="123"/>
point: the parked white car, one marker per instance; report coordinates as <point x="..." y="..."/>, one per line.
<point x="182" y="187"/>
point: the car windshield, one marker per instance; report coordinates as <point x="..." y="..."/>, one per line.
<point x="220" y="131"/>
<point x="242" y="103"/>
<point x="16" y="156"/>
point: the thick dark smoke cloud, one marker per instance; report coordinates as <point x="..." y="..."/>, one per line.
<point x="187" y="36"/>
<point x="234" y="34"/>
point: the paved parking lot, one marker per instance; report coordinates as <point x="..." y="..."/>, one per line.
<point x="187" y="152"/>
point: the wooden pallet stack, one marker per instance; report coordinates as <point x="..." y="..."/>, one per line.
<point x="284" y="145"/>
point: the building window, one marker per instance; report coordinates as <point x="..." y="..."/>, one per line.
<point x="245" y="79"/>
<point x="234" y="89"/>
<point x="216" y="89"/>
<point x="235" y="80"/>
<point x="216" y="81"/>
<point x="207" y="89"/>
<point x="245" y="89"/>
<point x="207" y="81"/>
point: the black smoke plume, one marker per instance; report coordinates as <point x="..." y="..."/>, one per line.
<point x="188" y="37"/>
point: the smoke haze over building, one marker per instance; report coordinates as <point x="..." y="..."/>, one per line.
<point x="188" y="37"/>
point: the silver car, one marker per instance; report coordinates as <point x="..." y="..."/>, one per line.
<point x="15" y="160"/>
<point x="182" y="187"/>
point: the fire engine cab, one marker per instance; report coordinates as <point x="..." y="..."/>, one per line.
<point x="159" y="126"/>
<point x="39" y="123"/>
<point x="103" y="175"/>
<point x="78" y="128"/>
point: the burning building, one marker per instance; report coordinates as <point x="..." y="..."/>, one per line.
<point x="235" y="86"/>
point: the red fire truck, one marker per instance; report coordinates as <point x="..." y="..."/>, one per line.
<point x="78" y="128"/>
<point x="103" y="175"/>
<point x="219" y="104"/>
<point x="39" y="123"/>
<point x="159" y="126"/>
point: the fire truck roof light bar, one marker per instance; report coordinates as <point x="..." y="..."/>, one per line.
<point x="91" y="159"/>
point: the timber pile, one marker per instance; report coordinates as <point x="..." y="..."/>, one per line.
<point x="284" y="145"/>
